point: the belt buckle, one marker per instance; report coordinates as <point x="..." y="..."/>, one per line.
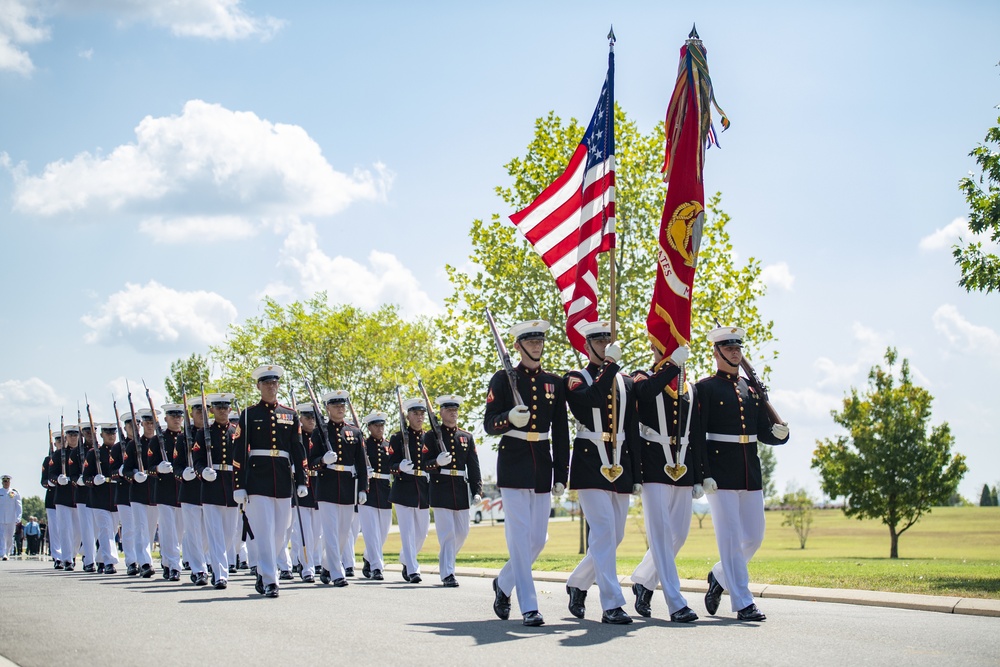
<point x="532" y="437"/>
<point x="274" y="453"/>
<point x="744" y="440"/>
<point x="606" y="437"/>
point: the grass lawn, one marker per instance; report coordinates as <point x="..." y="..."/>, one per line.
<point x="951" y="551"/>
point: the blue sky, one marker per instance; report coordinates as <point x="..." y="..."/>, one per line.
<point x="163" y="166"/>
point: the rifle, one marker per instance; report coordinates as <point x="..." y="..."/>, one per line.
<point x="52" y="443"/>
<point x="402" y="425"/>
<point x="354" y="415"/>
<point x="320" y="418"/>
<point x="188" y="430"/>
<point x="508" y="367"/>
<point x="754" y="381"/>
<point x="62" y="441"/>
<point x="135" y="433"/>
<point x="206" y="428"/>
<point x="82" y="447"/>
<point x="435" y="426"/>
<point x="93" y="432"/>
<point x="295" y="495"/>
<point x="159" y="431"/>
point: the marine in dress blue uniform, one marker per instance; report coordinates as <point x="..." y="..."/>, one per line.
<point x="376" y="512"/>
<point x="306" y="547"/>
<point x="409" y="491"/>
<point x="65" y="529"/>
<point x="102" y="497"/>
<point x="222" y="516"/>
<point x="167" y="489"/>
<point x="194" y="540"/>
<point x="142" y="491"/>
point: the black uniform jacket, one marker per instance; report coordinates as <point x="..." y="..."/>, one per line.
<point x="335" y="485"/>
<point x="77" y="455"/>
<point x="167" y="484"/>
<point x="65" y="496"/>
<point x="121" y="482"/>
<point x="220" y="491"/>
<point x="187" y="492"/>
<point x="143" y="493"/>
<point x="585" y="469"/>
<point x="647" y="386"/>
<point x="102" y="496"/>
<point x="274" y="428"/>
<point x="727" y="406"/>
<point x="452" y="491"/>
<point x="408" y="490"/>
<point x="522" y="464"/>
<point x="378" y="487"/>
<point x="50" y="493"/>
<point x="309" y="501"/>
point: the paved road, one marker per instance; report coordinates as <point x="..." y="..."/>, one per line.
<point x="56" y="618"/>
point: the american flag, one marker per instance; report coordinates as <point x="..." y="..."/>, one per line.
<point x="573" y="219"/>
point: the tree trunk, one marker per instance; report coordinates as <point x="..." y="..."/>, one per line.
<point x="893" y="542"/>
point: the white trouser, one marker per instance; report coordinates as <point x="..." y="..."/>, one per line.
<point x="738" y="518"/>
<point x="69" y="529"/>
<point x="413" y="526"/>
<point x="104" y="523"/>
<point x="336" y="521"/>
<point x="171" y="528"/>
<point x="375" y="527"/>
<point x="144" y="523"/>
<point x="452" y="528"/>
<point x="317" y="544"/>
<point x="303" y="540"/>
<point x="269" y="519"/>
<point x="128" y="533"/>
<point x="526" y="528"/>
<point x="667" y="514"/>
<point x="54" y="529"/>
<point x="347" y="552"/>
<point x="284" y="555"/>
<point x="219" y="523"/>
<point x="606" y="512"/>
<point x="7" y="538"/>
<point x="88" y="542"/>
<point x="194" y="538"/>
<point x="239" y="550"/>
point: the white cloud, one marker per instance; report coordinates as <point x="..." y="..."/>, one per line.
<point x="86" y="54"/>
<point x="956" y="231"/>
<point x="152" y="317"/>
<point x="26" y="401"/>
<point x="806" y="404"/>
<point x="869" y="349"/>
<point x="383" y="280"/>
<point x="207" y="162"/>
<point x="184" y="229"/>
<point x="778" y="275"/>
<point x="208" y="19"/>
<point x="961" y="333"/>
<point x="19" y="26"/>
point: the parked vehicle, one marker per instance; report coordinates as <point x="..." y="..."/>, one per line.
<point x="489" y="509"/>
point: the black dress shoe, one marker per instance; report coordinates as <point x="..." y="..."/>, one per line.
<point x="243" y="565"/>
<point x="166" y="572"/>
<point x="232" y="569"/>
<point x="110" y="569"/>
<point x="309" y="578"/>
<point x="175" y="575"/>
<point x="643" y="596"/>
<point x="685" y="615"/>
<point x="201" y="579"/>
<point x="366" y="568"/>
<point x="377" y="575"/>
<point x="132" y="570"/>
<point x="185" y="566"/>
<point x="296" y="568"/>
<point x="406" y="575"/>
<point x="285" y="575"/>
<point x="324" y="576"/>
<point x="616" y="616"/>
<point x="259" y="585"/>
<point x="449" y="581"/>
<point x="221" y="584"/>
<point x="532" y="619"/>
<point x="348" y="571"/>
<point x="253" y="570"/>
<point x="90" y="568"/>
<point x="713" y="596"/>
<point x="340" y="583"/>
<point x="100" y="568"/>
<point x="750" y="613"/>
<point x="271" y="591"/>
<point x="68" y="567"/>
<point x="147" y="571"/>
<point x="501" y="602"/>
<point x="577" y="601"/>
<point x="318" y="569"/>
<point x="57" y="565"/>
<point x="415" y="578"/>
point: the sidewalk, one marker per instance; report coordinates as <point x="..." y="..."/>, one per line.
<point x="943" y="604"/>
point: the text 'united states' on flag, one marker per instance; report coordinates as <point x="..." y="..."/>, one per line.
<point x="573" y="219"/>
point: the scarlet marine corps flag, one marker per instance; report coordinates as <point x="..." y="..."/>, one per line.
<point x="689" y="132"/>
<point x="573" y="219"/>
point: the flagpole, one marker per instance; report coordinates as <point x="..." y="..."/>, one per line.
<point x="613" y="272"/>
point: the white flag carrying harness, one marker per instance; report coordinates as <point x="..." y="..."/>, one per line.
<point x="675" y="469"/>
<point x="611" y="471"/>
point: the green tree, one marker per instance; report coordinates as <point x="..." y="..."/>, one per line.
<point x="986" y="498"/>
<point x="981" y="269"/>
<point x="190" y="372"/>
<point x="510" y="277"/>
<point x="995" y="503"/>
<point x="798" y="508"/>
<point x="33" y="506"/>
<point x="768" y="462"/>
<point x="889" y="466"/>
<point x="342" y="347"/>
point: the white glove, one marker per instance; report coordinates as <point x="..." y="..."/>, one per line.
<point x="189" y="474"/>
<point x="637" y="489"/>
<point x="406" y="465"/>
<point x="121" y="470"/>
<point x="780" y="431"/>
<point x="330" y="458"/>
<point x="140" y="477"/>
<point x="476" y="499"/>
<point x="680" y="355"/>
<point x="519" y="416"/>
<point x="240" y="496"/>
<point x="443" y="459"/>
<point x="362" y="497"/>
<point x="613" y="353"/>
<point x="164" y="467"/>
<point x="302" y="491"/>
<point x="63" y="480"/>
<point x="79" y="481"/>
<point x="98" y="480"/>
<point x="709" y="486"/>
<point x="697" y="491"/>
<point x="209" y="474"/>
<point x="558" y="489"/>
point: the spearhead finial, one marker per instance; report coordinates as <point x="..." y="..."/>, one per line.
<point x="611" y="36"/>
<point x="694" y="32"/>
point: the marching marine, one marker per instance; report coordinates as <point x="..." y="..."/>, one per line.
<point x="102" y="497"/>
<point x="409" y="492"/>
<point x="376" y="512"/>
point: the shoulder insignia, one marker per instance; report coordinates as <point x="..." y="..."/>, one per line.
<point x="86" y="464"/>
<point x="490" y="396"/>
<point x="196" y="447"/>
<point x="423" y="450"/>
<point x="388" y="450"/>
<point x="149" y="451"/>
<point x="572" y="382"/>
